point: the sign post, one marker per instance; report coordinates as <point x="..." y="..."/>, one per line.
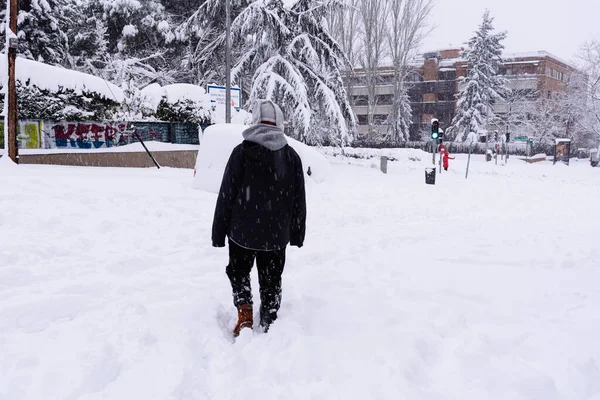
<point x="218" y="95"/>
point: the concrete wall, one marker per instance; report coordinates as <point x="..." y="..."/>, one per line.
<point x="173" y="159"/>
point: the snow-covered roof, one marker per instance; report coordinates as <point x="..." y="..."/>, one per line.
<point x="507" y="61"/>
<point x="563" y="140"/>
<point x="535" y="54"/>
<point x="52" y="78"/>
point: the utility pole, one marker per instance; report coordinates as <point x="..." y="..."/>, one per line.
<point x="13" y="150"/>
<point x="228" y="61"/>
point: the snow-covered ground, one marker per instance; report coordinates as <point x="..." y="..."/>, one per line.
<point x="486" y="288"/>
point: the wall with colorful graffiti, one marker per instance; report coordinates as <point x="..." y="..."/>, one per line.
<point x="96" y="135"/>
<point x="29" y="134"/>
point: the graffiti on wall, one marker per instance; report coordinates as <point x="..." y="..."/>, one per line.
<point x="29" y="134"/>
<point x="84" y="135"/>
<point x="94" y="135"/>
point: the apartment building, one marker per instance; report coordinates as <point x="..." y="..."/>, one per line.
<point x="434" y="86"/>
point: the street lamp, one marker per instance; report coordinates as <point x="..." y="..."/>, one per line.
<point x="228" y="61"/>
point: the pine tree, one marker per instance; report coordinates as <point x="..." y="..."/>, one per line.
<point x="41" y="30"/>
<point x="482" y="85"/>
<point x="280" y="53"/>
<point x="88" y="39"/>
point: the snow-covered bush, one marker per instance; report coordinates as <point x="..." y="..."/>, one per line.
<point x="53" y="93"/>
<point x="185" y="110"/>
<point x="62" y="104"/>
<point x="178" y="103"/>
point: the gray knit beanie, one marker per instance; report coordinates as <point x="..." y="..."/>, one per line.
<point x="267" y="111"/>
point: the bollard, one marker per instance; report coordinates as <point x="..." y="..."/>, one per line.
<point x="384" y="161"/>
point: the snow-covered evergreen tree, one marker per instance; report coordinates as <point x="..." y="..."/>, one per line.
<point x="283" y="54"/>
<point x="483" y="85"/>
<point x="87" y="38"/>
<point x="41" y="28"/>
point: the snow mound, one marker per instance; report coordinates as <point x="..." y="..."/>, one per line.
<point x="5" y="162"/>
<point x="216" y="146"/>
<point x="49" y="77"/>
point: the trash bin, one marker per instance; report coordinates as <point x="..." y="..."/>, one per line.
<point x="488" y="156"/>
<point x="430" y="176"/>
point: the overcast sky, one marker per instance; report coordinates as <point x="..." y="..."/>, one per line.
<point x="557" y="27"/>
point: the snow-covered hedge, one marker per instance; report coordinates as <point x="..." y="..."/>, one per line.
<point x="52" y="93"/>
<point x="179" y="102"/>
<point x="63" y="104"/>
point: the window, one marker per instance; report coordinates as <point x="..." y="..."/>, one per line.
<point x="445" y="96"/>
<point x="550" y="72"/>
<point x="385" y="99"/>
<point x="414" y="77"/>
<point x="386" y="80"/>
<point x="362" y="120"/>
<point x="447" y="75"/>
<point x="361" y="100"/>
<point x="559" y="75"/>
<point x="379" y="119"/>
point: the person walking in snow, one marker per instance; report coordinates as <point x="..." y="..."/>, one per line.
<point x="261" y="209"/>
<point x="445" y="159"/>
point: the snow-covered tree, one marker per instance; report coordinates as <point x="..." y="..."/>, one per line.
<point x="586" y="85"/>
<point x="407" y="29"/>
<point x="373" y="18"/>
<point x="87" y="39"/>
<point x="343" y="25"/>
<point x="41" y="28"/>
<point x="519" y="108"/>
<point x="483" y="85"/>
<point x="283" y="54"/>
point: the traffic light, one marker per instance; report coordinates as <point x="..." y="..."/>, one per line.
<point x="507" y="137"/>
<point x="435" y="129"/>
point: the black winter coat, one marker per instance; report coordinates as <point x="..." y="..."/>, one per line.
<point x="261" y="203"/>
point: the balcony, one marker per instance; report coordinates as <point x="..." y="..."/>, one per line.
<point x="380" y="109"/>
<point x="434" y="87"/>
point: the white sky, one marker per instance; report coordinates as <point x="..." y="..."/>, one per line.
<point x="532" y="25"/>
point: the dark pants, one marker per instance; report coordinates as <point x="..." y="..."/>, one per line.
<point x="270" y="267"/>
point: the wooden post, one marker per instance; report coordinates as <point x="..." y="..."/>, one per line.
<point x="13" y="150"/>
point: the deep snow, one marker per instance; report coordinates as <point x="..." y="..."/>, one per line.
<point x="485" y="288"/>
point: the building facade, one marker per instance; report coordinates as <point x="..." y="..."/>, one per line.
<point x="434" y="82"/>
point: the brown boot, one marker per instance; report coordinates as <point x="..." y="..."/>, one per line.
<point x="245" y="319"/>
